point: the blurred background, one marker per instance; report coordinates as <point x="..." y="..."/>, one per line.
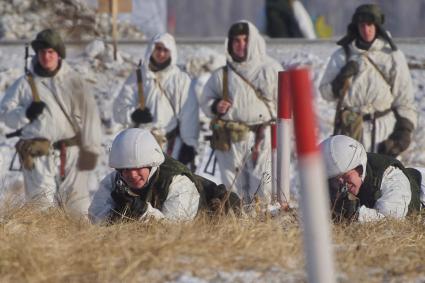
<point x="140" y="19"/>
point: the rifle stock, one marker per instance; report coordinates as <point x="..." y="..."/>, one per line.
<point x="16" y="133"/>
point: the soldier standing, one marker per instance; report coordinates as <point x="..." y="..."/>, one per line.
<point x="241" y="97"/>
<point x="59" y="124"/>
<point x="369" y="79"/>
<point x="159" y="97"/>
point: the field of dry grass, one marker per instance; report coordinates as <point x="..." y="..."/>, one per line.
<point x="50" y="247"/>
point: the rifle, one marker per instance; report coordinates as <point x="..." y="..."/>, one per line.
<point x="27" y="72"/>
<point x="16" y="133"/>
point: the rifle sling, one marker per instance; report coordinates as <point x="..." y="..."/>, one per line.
<point x="34" y="91"/>
<point x="378" y="70"/>
<point x="140" y="87"/>
<point x="257" y="91"/>
<point x="225" y="83"/>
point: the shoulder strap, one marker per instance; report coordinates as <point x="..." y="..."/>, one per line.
<point x="140" y="86"/>
<point x="257" y="91"/>
<point x="166" y="96"/>
<point x="379" y="70"/>
<point x="346" y="52"/>
<point x="64" y="112"/>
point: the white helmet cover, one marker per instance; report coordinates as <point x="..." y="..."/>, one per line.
<point x="135" y="148"/>
<point x="342" y="154"/>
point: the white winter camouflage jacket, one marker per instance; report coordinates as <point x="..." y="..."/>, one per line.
<point x="168" y="95"/>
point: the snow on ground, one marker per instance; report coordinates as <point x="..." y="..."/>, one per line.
<point x="95" y="63"/>
<point x="23" y="19"/>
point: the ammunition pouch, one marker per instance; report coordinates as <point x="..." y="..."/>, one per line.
<point x="350" y="124"/>
<point x="226" y="132"/>
<point x="28" y="149"/>
<point x="74" y="141"/>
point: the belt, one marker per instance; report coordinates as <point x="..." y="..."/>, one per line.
<point x="255" y="127"/>
<point x="376" y="115"/>
<point x="74" y="141"/>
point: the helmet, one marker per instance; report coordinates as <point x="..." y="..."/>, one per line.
<point x="49" y="38"/>
<point x="135" y="148"/>
<point x="342" y="154"/>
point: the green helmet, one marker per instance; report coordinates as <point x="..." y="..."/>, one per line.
<point x="370" y="13"/>
<point x="49" y="38"/>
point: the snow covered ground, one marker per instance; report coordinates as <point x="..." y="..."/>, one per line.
<point x="95" y="62"/>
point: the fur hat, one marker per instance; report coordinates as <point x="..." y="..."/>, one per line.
<point x="49" y="38"/>
<point x="369" y="13"/>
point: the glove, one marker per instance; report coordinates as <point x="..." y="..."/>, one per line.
<point x="86" y="160"/>
<point x="34" y="110"/>
<point x="350" y="69"/>
<point x="399" y="140"/>
<point x="127" y="205"/>
<point x="140" y="116"/>
<point x="214" y="106"/>
<point x="187" y="154"/>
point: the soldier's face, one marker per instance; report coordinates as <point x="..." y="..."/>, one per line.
<point x="367" y="31"/>
<point x="353" y="180"/>
<point x="239" y="46"/>
<point x="48" y="59"/>
<point x="136" y="178"/>
<point x="160" y="54"/>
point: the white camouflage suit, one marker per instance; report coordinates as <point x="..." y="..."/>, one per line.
<point x="370" y="91"/>
<point x="43" y="184"/>
<point x="250" y="178"/>
<point x="181" y="204"/>
<point x="168" y="95"/>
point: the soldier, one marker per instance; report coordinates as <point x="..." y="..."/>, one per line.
<point x="369" y="186"/>
<point x="288" y="18"/>
<point x="59" y="124"/>
<point x="158" y="96"/>
<point x="369" y="79"/>
<point x="241" y="97"/>
<point x="147" y="184"/>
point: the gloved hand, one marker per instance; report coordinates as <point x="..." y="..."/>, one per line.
<point x="86" y="160"/>
<point x="187" y="154"/>
<point x="346" y="207"/>
<point x="128" y="205"/>
<point x="399" y="140"/>
<point x="140" y="116"/>
<point x="34" y="110"/>
<point x="350" y="69"/>
<point x="214" y="106"/>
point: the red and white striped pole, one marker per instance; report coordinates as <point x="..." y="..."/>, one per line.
<point x="314" y="200"/>
<point x="274" y="161"/>
<point x="284" y="122"/>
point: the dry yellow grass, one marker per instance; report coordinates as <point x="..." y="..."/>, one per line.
<point x="50" y="247"/>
